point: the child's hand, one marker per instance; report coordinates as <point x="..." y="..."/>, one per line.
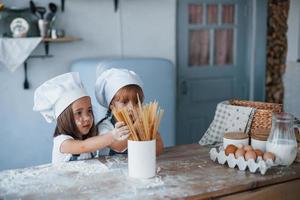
<point x="120" y="132"/>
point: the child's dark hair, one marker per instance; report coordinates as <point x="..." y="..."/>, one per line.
<point x="125" y="94"/>
<point x="66" y="125"/>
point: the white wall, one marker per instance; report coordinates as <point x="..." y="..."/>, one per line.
<point x="140" y="28"/>
<point x="293" y="30"/>
<point x="292" y="74"/>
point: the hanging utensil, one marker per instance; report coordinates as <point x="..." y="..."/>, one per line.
<point x="116" y="3"/>
<point x="62" y="5"/>
<point x="41" y="11"/>
<point x="53" y="10"/>
<point x="49" y="16"/>
<point x="26" y="83"/>
<point x="33" y="8"/>
<point x="52" y="7"/>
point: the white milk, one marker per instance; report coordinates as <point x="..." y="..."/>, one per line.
<point x="286" y="150"/>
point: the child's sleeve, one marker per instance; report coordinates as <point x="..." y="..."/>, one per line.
<point x="58" y="140"/>
<point x="57" y="155"/>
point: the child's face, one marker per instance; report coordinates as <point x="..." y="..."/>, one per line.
<point x="121" y="103"/>
<point x="127" y="95"/>
<point x="83" y="114"/>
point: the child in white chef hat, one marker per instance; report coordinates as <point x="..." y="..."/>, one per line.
<point x="115" y="88"/>
<point x="63" y="99"/>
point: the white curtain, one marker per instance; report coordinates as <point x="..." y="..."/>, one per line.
<point x="199" y="40"/>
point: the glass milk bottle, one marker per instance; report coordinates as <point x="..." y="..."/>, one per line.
<point x="282" y="141"/>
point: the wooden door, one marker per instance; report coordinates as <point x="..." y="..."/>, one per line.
<point x="212" y="46"/>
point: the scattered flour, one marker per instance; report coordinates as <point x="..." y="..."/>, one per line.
<point x="47" y="178"/>
<point x="108" y="179"/>
<point x="84" y="179"/>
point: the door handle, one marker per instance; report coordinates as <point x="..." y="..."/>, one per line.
<point x="184" y="88"/>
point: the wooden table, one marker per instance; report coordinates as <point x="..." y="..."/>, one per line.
<point x="182" y="172"/>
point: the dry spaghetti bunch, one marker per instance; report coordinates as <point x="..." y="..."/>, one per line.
<point x="142" y="120"/>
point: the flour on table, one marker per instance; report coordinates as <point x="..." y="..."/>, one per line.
<point x="85" y="167"/>
<point x="54" y="177"/>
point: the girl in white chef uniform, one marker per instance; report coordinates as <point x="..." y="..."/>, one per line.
<point x="63" y="99"/>
<point x="115" y="88"/>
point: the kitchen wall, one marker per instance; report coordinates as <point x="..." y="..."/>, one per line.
<point x="140" y="28"/>
<point x="292" y="75"/>
<point x="293" y="30"/>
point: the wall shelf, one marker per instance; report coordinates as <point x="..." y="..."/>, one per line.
<point x="58" y="40"/>
<point x="63" y="39"/>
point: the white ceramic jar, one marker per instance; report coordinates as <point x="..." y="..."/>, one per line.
<point x="141" y="159"/>
<point x="235" y="138"/>
<point x="258" y="144"/>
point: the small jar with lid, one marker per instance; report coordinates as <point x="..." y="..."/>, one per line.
<point x="235" y="138"/>
<point x="259" y="138"/>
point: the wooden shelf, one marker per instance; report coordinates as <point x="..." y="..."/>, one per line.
<point x="63" y="39"/>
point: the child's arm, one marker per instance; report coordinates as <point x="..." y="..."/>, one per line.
<point x="85" y="146"/>
<point x="97" y="142"/>
<point x="119" y="146"/>
<point x="159" y="145"/>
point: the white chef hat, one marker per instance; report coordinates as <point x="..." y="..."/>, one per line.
<point x="110" y="80"/>
<point x="56" y="94"/>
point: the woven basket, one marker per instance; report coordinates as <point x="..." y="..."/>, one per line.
<point x="262" y="119"/>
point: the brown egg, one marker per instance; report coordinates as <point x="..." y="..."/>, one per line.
<point x="259" y="152"/>
<point x="269" y="155"/>
<point x="240" y="153"/>
<point x="250" y="154"/>
<point x="230" y="149"/>
<point x="240" y="146"/>
<point x="248" y="148"/>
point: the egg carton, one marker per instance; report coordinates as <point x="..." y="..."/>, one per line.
<point x="253" y="165"/>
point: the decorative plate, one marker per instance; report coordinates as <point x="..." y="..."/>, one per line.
<point x="19" y="27"/>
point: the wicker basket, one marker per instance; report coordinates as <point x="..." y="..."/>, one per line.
<point x="262" y="119"/>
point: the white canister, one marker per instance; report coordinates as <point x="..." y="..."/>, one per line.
<point x="141" y="158"/>
<point x="258" y="144"/>
<point x="235" y="138"/>
<point x="235" y="142"/>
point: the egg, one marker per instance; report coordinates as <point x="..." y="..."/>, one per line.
<point x="230" y="149"/>
<point x="259" y="152"/>
<point x="269" y="155"/>
<point x="240" y="152"/>
<point x="240" y="146"/>
<point x="250" y="154"/>
<point x="248" y="148"/>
